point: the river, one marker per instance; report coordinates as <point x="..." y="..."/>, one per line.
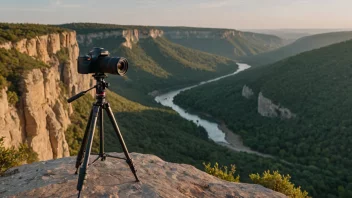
<point x="218" y="133"/>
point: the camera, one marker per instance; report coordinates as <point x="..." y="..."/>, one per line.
<point x="98" y="60"/>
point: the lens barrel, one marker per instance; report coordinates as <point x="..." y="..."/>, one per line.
<point x="113" y="65"/>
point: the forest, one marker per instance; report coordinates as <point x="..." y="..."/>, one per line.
<point x="14" y="32"/>
<point x="13" y="65"/>
<point x="316" y="86"/>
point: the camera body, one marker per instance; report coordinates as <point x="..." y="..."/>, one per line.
<point x="98" y="60"/>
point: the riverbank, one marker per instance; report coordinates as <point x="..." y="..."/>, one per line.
<point x="235" y="142"/>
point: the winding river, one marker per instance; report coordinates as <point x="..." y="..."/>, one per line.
<point x="218" y="133"/>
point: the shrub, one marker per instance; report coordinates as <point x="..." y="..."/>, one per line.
<point x="279" y="183"/>
<point x="3" y="82"/>
<point x="10" y="157"/>
<point x="12" y="97"/>
<point x="63" y="55"/>
<point x="222" y="173"/>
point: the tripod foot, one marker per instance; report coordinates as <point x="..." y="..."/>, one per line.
<point x="134" y="171"/>
<point x="79" y="194"/>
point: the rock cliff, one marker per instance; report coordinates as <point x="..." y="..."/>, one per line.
<point x="42" y="115"/>
<point x="268" y="109"/>
<point x="247" y="92"/>
<point x="112" y="178"/>
<point x="131" y="36"/>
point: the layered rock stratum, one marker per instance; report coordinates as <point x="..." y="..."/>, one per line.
<point x="112" y="178"/>
<point x="131" y="36"/>
<point x="42" y="114"/>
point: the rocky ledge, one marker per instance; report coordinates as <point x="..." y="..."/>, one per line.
<point x="112" y="178"/>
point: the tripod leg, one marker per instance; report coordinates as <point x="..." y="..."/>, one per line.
<point x="122" y="142"/>
<point x="101" y="135"/>
<point x="84" y="142"/>
<point x="83" y="169"/>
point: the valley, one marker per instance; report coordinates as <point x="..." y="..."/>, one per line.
<point x="219" y="133"/>
<point x="175" y="72"/>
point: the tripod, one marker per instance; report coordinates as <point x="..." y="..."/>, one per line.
<point x="95" y="115"/>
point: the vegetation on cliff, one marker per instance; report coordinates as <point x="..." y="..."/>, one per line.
<point x="17" y="31"/>
<point x="316" y="86"/>
<point x="13" y="66"/>
<point x="10" y="157"/>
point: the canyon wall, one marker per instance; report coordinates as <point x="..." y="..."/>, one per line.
<point x="41" y="116"/>
<point x="266" y="107"/>
<point x="131" y="36"/>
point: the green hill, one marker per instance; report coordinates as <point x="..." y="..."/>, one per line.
<point x="301" y="45"/>
<point x="317" y="87"/>
<point x="224" y="42"/>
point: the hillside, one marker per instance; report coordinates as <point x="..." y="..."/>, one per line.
<point x="301" y="45"/>
<point x="224" y="42"/>
<point x="111" y="178"/>
<point x="297" y="109"/>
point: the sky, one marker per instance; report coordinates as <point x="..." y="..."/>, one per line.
<point x="234" y="14"/>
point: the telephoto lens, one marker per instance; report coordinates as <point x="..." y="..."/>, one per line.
<point x="113" y="65"/>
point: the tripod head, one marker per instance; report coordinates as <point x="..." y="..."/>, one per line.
<point x="100" y="88"/>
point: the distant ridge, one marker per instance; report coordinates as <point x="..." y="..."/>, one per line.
<point x="301" y="45"/>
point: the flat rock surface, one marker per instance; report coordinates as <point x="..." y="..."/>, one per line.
<point x="113" y="178"/>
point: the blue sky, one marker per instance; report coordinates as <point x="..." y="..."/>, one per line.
<point x="238" y="14"/>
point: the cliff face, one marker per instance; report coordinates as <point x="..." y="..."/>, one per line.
<point x="112" y="178"/>
<point x="270" y="41"/>
<point x="42" y="115"/>
<point x="205" y="34"/>
<point x="131" y="36"/>
<point x="266" y="107"/>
